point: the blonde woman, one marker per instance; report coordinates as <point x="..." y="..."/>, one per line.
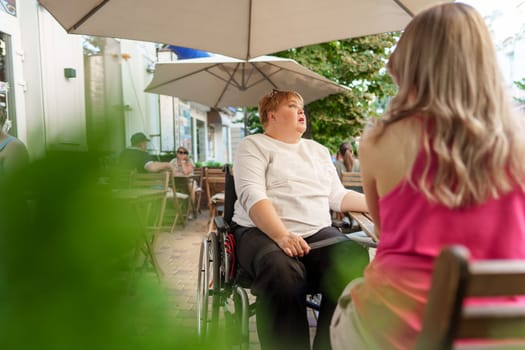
<point x="182" y="163"/>
<point x="445" y="165"/>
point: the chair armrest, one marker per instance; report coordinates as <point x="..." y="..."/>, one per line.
<point x="221" y="224"/>
<point x="366" y="224"/>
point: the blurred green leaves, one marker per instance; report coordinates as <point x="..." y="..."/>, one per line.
<point x="65" y="248"/>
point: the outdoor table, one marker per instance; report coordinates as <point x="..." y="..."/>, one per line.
<point x="143" y="203"/>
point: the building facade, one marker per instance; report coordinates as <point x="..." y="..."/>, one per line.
<point x="80" y="93"/>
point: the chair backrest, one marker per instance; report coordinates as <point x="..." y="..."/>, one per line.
<point x="199" y="173"/>
<point x="181" y="185"/>
<point x="159" y="180"/>
<point x="447" y="318"/>
<point x="215" y="181"/>
<point x="352" y="180"/>
<point x="121" y="178"/>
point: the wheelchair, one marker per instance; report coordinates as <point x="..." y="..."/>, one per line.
<point x="223" y="305"/>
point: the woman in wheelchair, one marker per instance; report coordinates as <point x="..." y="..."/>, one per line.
<point x="286" y="186"/>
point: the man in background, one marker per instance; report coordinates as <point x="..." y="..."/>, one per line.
<point x="137" y="158"/>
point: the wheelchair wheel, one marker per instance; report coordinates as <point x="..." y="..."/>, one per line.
<point x="208" y="287"/>
<point x="242" y="307"/>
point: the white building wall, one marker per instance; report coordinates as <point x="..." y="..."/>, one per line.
<point x="29" y="75"/>
<point x="51" y="109"/>
<point x="64" y="99"/>
<point x="11" y="26"/>
<point x="141" y="108"/>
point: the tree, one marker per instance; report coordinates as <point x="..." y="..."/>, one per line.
<point x="357" y="63"/>
<point x="521" y="85"/>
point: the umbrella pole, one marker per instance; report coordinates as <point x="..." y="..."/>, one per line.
<point x="245" y="119"/>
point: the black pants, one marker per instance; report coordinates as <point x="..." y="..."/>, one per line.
<point x="281" y="284"/>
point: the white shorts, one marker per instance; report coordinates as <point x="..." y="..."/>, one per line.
<point x="346" y="331"/>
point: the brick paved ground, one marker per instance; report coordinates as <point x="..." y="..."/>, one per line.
<point x="177" y="254"/>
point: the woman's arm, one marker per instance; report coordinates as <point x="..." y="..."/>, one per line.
<point x="187" y="167"/>
<point x="265" y="217"/>
<point x="368" y="163"/>
<point x="250" y="183"/>
<point x="354" y="201"/>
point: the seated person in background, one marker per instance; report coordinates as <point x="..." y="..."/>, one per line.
<point x="183" y="166"/>
<point x="182" y="163"/>
<point x="445" y="165"/>
<point x="13" y="152"/>
<point x="137" y="158"/>
<point x="344" y="158"/>
<point x="286" y="186"/>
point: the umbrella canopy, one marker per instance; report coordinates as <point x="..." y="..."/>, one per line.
<point x="220" y="81"/>
<point x="236" y="28"/>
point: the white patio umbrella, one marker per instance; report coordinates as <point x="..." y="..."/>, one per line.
<point x="220" y="81"/>
<point x="237" y="28"/>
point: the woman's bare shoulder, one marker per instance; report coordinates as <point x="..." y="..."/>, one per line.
<point x="388" y="155"/>
<point x="378" y="138"/>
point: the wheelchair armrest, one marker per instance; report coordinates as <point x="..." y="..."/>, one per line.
<point x="221" y="224"/>
<point x="344" y="226"/>
<point x="362" y="238"/>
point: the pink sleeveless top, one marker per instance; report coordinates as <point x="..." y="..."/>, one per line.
<point x="391" y="300"/>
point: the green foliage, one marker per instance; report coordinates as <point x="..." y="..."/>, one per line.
<point x="521" y="85"/>
<point x="65" y="241"/>
<point x="357" y="63"/>
<point x="209" y="164"/>
<point x="254" y="122"/>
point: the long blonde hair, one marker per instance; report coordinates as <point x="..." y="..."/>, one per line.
<point x="446" y="68"/>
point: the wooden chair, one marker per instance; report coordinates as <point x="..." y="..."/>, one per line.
<point x="159" y="181"/>
<point x="180" y="196"/>
<point x="447" y="318"/>
<point x="215" y="184"/>
<point x="121" y="178"/>
<point x="352" y="180"/>
<point x="199" y="178"/>
<point x="152" y="212"/>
